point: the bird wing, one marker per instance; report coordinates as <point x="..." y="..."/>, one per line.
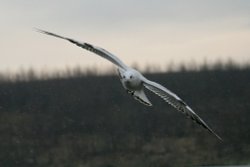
<point x="176" y="102"/>
<point x="95" y="49"/>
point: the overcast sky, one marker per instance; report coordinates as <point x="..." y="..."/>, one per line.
<point x="144" y="32"/>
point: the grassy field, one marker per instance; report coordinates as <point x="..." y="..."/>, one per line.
<point x="76" y="121"/>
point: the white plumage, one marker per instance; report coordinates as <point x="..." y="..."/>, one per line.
<point x="134" y="82"/>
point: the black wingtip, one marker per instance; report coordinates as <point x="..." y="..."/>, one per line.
<point x="219" y="138"/>
<point x="43" y="31"/>
<point x="216" y="135"/>
<point x="50" y="33"/>
<point x="39" y="30"/>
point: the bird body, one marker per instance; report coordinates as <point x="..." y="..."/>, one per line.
<point x="134" y="82"/>
<point x="131" y="79"/>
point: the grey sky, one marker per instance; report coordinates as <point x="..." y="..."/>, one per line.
<point x="141" y="31"/>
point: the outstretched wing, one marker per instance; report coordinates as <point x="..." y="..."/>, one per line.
<point x="97" y="50"/>
<point x="177" y="103"/>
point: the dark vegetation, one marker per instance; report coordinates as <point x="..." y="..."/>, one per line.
<point x="84" y="120"/>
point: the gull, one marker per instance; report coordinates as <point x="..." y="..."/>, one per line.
<point x="134" y="82"/>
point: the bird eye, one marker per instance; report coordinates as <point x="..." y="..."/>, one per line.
<point x="131" y="76"/>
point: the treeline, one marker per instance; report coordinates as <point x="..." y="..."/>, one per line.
<point x="89" y="120"/>
<point x="31" y="74"/>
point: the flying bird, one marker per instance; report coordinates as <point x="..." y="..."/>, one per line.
<point x="134" y="82"/>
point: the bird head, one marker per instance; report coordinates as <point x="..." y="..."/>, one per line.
<point x="128" y="76"/>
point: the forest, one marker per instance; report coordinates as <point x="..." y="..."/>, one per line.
<point x="88" y="120"/>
